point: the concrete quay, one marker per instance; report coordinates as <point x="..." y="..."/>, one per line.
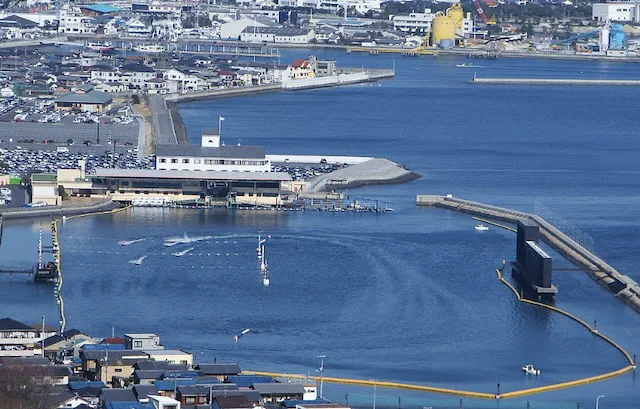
<point x="52" y="211"/>
<point x="619" y="284"/>
<point x="371" y="172"/>
<point x="551" y="81"/>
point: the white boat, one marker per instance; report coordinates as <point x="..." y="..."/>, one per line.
<point x="182" y="253"/>
<point x="467" y="65"/>
<point x="97" y="46"/>
<point x="128" y="242"/>
<point x="172" y="241"/>
<point x="481" y="227"/>
<point x="530" y="370"/>
<point x="149" y="48"/>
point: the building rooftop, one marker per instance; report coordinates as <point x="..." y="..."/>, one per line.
<point x="279" y="388"/>
<point x="184" y="174"/>
<point x="138" y="336"/>
<point x="91" y="97"/>
<point x="164" y="352"/>
<point x="192" y="150"/>
<point x="100" y="8"/>
<point x="281" y="31"/>
<point x="218" y="369"/>
<point x="8" y="324"/>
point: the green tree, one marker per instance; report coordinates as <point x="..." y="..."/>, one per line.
<point x="62" y="192"/>
<point x="204" y="20"/>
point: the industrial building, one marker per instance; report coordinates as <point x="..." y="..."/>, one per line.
<point x="622" y="11"/>
<point x="452" y="26"/>
<point x="276" y="35"/>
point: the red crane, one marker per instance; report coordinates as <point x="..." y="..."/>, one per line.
<point x="476" y="3"/>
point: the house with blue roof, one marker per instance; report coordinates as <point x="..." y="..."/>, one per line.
<point x="247" y="381"/>
<point x="98" y="9"/>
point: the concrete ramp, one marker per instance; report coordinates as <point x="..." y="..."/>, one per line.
<point x="371" y="172"/>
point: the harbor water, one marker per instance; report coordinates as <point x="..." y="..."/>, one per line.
<point x="410" y="295"/>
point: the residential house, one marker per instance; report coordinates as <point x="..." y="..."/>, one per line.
<point x="164" y="402"/>
<point x="91" y="355"/>
<point x="140" y="74"/>
<point x="64" y="400"/>
<point x="109" y="395"/>
<point x="174" y="356"/>
<point x="219" y="371"/>
<point x="20" y="340"/>
<point x="273" y="392"/>
<point x="136" y="28"/>
<point x="142" y="341"/>
<point x="192" y="395"/>
<point x="44" y="188"/>
<point x="109" y="369"/>
<point x="322" y="68"/>
<point x="111" y="87"/>
<point x="184" y="81"/>
<point x="73" y="21"/>
<point x="231" y="402"/>
<point x="302" y="69"/>
<point x="247" y="381"/>
<point x="16" y="28"/>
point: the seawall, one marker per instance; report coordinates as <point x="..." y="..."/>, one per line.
<point x="23" y="213"/>
<point x="619" y="284"/>
<point x="371" y="172"/>
<point x="552" y="81"/>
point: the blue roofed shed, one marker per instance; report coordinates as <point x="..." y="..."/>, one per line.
<point x="99" y="8"/>
<point x="166" y="386"/>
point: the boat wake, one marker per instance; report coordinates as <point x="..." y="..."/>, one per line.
<point x="182" y="253"/>
<point x="138" y="261"/>
<point x="172" y="241"/>
<point x="128" y="242"/>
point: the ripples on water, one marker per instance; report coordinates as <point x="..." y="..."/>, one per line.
<point x="408" y="296"/>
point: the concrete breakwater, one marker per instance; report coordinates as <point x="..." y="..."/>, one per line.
<point x="552" y="81"/>
<point x="49" y="211"/>
<point x="371" y="172"/>
<point x="619" y="284"/>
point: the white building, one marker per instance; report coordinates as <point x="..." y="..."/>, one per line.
<point x="167" y="29"/>
<point x="233" y="29"/>
<point x="276" y="35"/>
<point x="414" y="23"/>
<point x="20" y="340"/>
<point x="616" y="11"/>
<point x="211" y="156"/>
<point x="136" y="28"/>
<point x="184" y="81"/>
<point x="72" y="21"/>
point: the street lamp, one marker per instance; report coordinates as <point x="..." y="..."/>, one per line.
<point x="321" y="370"/>
<point x="598" y="400"/>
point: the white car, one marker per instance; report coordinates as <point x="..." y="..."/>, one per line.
<point x="38" y="204"/>
<point x="5" y="191"/>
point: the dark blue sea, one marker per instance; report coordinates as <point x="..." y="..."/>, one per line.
<point x="408" y="296"/>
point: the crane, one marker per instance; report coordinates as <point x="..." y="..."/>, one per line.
<point x="482" y="14"/>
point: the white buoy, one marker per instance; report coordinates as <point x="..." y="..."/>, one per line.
<point x="265" y="282"/>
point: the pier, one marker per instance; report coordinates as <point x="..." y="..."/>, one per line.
<point x="623" y="287"/>
<point x="552" y="81"/>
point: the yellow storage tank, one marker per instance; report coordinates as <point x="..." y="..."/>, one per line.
<point x="442" y="28"/>
<point x="456" y="14"/>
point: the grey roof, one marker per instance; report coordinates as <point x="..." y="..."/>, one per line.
<point x="191" y="150"/>
<point x="149" y="373"/>
<point x="233" y="402"/>
<point x="137" y="68"/>
<point x="185" y="174"/>
<point x="252" y="396"/>
<point x="17" y="21"/>
<point x="218" y="369"/>
<point x="56" y="399"/>
<point x="193" y="390"/>
<point x="117" y="395"/>
<point x="72" y="333"/>
<point x="7" y="324"/>
<point x="150" y="364"/>
<point x="101" y="354"/>
<point x="52" y="340"/>
<point x="91" y="97"/>
<point x="55" y="370"/>
<point x="142" y="391"/>
<point x="279" y="388"/>
<point x="280" y="31"/>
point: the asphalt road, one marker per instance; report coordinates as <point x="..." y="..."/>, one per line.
<point x="162" y="120"/>
<point x="18" y="197"/>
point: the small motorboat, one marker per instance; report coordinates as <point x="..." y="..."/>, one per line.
<point x="467" y="65"/>
<point x="530" y="370"/>
<point x="481" y="227"/>
<point x="182" y="253"/>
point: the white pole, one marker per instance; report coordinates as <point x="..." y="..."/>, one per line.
<point x="374" y="395"/>
<point x="598" y="400"/>
<point x="42" y="338"/>
<point x="321" y="370"/>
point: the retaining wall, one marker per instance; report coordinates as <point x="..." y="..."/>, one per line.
<point x="22" y="213"/>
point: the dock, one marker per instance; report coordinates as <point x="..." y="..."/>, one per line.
<point x="624" y="288"/>
<point x="552" y="81"/>
<point x="411" y="52"/>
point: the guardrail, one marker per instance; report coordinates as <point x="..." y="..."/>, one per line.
<point x="49" y="211"/>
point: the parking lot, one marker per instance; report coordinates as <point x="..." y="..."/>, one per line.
<point x="20" y="161"/>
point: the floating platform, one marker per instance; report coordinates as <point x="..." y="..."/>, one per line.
<point x="552" y="81"/>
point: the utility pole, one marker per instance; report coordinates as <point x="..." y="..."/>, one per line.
<point x="98" y="133"/>
<point x="42" y="338"/>
<point x="321" y="370"/>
